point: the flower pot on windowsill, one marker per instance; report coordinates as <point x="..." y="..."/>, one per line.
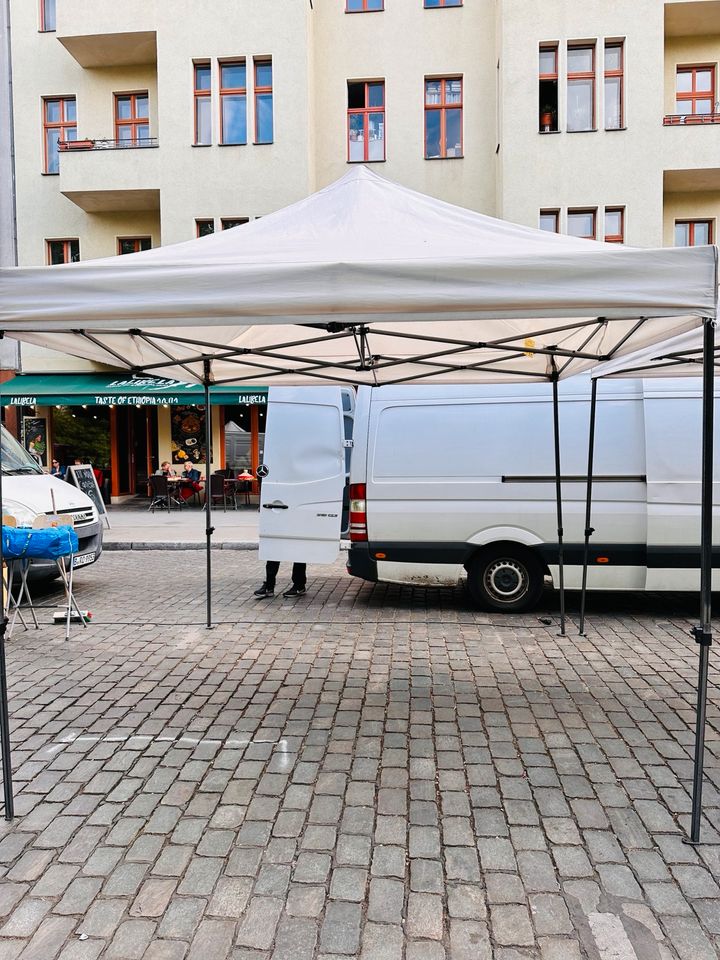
<point x="77" y="145"/>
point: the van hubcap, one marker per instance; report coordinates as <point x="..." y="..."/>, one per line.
<point x="506" y="580"/>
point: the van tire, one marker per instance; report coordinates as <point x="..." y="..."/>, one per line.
<point x="506" y="578"/>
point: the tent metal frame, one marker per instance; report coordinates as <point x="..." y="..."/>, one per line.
<point x="702" y="633"/>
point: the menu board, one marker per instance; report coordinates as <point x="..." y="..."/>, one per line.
<point x="84" y="479"/>
<point x="187" y="434"/>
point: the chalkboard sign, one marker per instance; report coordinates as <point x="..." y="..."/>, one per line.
<point x="84" y="479"/>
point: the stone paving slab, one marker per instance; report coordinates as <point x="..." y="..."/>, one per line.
<point x="368" y="772"/>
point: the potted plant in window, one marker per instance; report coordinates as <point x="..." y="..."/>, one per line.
<point x="76" y="144"/>
<point x="547" y="119"/>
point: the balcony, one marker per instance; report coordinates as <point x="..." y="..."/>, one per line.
<point x="692" y="18"/>
<point x="101" y="33"/>
<point x="104" y="176"/>
<point x="690" y="119"/>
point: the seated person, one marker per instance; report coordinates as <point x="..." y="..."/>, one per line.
<point x="165" y="470"/>
<point x="191" y="475"/>
<point x="56" y="470"/>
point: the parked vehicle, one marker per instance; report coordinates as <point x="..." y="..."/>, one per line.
<point x="452" y="483"/>
<point x="26" y="494"/>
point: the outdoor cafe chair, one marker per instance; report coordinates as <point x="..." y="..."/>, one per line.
<point x="220" y="489"/>
<point x="162" y="495"/>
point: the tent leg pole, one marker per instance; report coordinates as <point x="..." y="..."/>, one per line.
<point x="703" y="632"/>
<point x="588" y="505"/>
<point x="5" y="750"/>
<point x="558" y="499"/>
<point x="209" y="529"/>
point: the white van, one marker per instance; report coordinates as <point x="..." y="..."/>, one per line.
<point x="26" y="494"/>
<point x="451" y="483"/>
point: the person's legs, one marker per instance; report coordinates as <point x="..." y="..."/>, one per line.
<point x="299" y="575"/>
<point x="267" y="589"/>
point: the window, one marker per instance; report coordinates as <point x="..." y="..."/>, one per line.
<point x="203" y="104"/>
<point x="233" y="102"/>
<point x="549" y="220"/>
<point x="693" y="233"/>
<point x="443" y="118"/>
<point x="62" y="251"/>
<point x="132" y="125"/>
<point x="366" y="121"/>
<point x="582" y="223"/>
<point x="580" y="88"/>
<point x="133" y="244"/>
<point x="443" y="3"/>
<point x="47" y="15"/>
<point x="228" y="223"/>
<point x="363" y="6"/>
<point x="548" y="88"/>
<point x="614" y="119"/>
<point x="59" y="123"/>
<point x="263" y="102"/>
<point x="204" y="227"/>
<point x="695" y="90"/>
<point x="614" y="225"/>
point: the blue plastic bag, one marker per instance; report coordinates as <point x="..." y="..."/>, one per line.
<point x="47" y="544"/>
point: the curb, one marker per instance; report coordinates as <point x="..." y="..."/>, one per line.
<point x="178" y="545"/>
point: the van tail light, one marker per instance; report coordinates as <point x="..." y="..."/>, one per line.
<point x="358" y="513"/>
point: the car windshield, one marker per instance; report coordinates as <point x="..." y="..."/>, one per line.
<point x="15" y="459"/>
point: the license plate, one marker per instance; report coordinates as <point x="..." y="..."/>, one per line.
<point x="83" y="559"/>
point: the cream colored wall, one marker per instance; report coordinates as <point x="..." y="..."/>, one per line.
<point x="593" y="169"/>
<point x="402" y="45"/>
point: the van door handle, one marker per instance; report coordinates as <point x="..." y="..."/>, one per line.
<point x="275" y="505"/>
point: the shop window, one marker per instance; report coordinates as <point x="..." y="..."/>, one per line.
<point x="548" y="88"/>
<point x="132" y="123"/>
<point x="614" y="225"/>
<point x="549" y="220"/>
<point x="614" y="85"/>
<point x="59" y="124"/>
<point x="227" y="223"/>
<point x="204" y="227"/>
<point x="133" y="244"/>
<point x="363" y="6"/>
<point x="47" y="15"/>
<point x="582" y="223"/>
<point x="233" y="102"/>
<point x="263" y="101"/>
<point x="203" y="104"/>
<point x="580" y="88"/>
<point x="693" y="233"/>
<point x="443" y="118"/>
<point x="695" y="90"/>
<point x="62" y="251"/>
<point x="366" y="121"/>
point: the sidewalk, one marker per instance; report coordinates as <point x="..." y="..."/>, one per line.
<point x="138" y="529"/>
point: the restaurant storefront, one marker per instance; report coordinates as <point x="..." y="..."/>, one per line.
<point x="127" y="426"/>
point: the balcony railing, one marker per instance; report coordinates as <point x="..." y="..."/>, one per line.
<point x="137" y="143"/>
<point x="690" y="119"/>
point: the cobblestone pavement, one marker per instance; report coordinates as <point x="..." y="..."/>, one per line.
<point x="368" y="772"/>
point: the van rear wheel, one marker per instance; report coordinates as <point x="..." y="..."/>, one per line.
<point x="509" y="579"/>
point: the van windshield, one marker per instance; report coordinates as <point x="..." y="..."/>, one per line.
<point x="15" y="459"/>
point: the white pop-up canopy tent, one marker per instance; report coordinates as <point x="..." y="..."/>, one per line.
<point x="365" y="282"/>
<point x="692" y="354"/>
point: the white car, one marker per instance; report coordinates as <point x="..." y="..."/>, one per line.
<point x="26" y="494"/>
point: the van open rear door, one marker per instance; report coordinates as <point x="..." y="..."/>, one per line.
<point x="303" y="474"/>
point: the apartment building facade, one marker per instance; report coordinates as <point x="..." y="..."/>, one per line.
<point x="147" y="123"/>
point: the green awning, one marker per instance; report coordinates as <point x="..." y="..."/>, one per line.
<point x="108" y="389"/>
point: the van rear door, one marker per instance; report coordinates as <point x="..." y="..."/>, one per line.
<point x="303" y="474"/>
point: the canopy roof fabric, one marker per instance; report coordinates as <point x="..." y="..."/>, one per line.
<point x="680" y="356"/>
<point x="401" y="286"/>
<point x="109" y="389"/>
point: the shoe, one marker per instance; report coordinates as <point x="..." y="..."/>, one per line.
<point x="295" y="592"/>
<point x="264" y="591"/>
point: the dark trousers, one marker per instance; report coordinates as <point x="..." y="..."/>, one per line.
<point x="299" y="574"/>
